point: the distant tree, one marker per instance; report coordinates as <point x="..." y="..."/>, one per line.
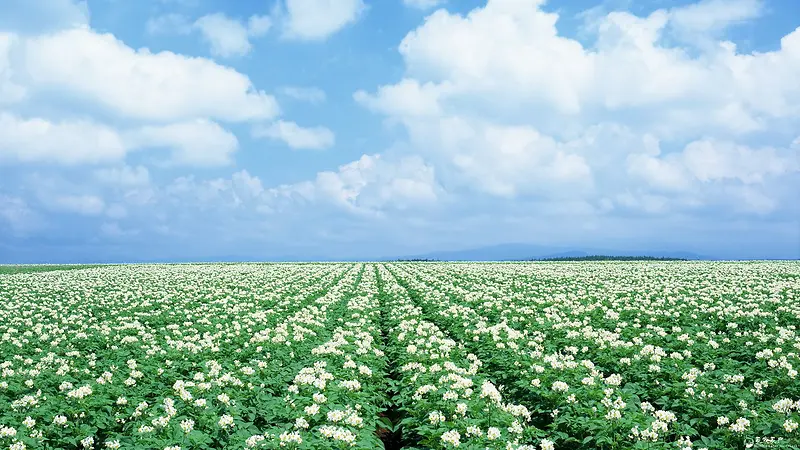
<point x="610" y="258"/>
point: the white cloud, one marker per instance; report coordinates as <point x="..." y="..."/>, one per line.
<point x="124" y="176"/>
<point x="195" y="143"/>
<point x="88" y="205"/>
<point x="711" y="168"/>
<point x="140" y="84"/>
<point x="407" y="98"/>
<point x="10" y="92"/>
<point x="172" y="23"/>
<point x="241" y="191"/>
<point x="370" y="184"/>
<point x="198" y="143"/>
<point x="509" y="58"/>
<point x="667" y="175"/>
<point x="750" y="200"/>
<point x="246" y="185"/>
<point x="226" y="36"/>
<point x="16" y="213"/>
<point x="258" y="25"/>
<point x="501" y="103"/>
<point x="229" y="37"/>
<point x="714" y="15"/>
<point x="318" y="19"/>
<point x="306" y="94"/>
<point x="297" y="137"/>
<point x="710" y="160"/>
<point x="67" y="142"/>
<point x="501" y="160"/>
<point x="423" y="4"/>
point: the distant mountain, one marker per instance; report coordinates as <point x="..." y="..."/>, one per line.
<point x="519" y="252"/>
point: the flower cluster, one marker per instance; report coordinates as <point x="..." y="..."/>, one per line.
<point x="661" y="355"/>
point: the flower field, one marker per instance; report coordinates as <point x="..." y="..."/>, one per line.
<point x="647" y="355"/>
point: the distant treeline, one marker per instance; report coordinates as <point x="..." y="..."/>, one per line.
<point x="571" y="258"/>
<point x="416" y="260"/>
<point x="611" y="258"/>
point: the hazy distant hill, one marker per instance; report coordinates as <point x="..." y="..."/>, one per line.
<point x="518" y="252"/>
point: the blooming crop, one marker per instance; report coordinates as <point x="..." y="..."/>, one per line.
<point x="656" y="355"/>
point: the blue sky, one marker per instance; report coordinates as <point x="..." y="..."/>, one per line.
<point x="205" y="129"/>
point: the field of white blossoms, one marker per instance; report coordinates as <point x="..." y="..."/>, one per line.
<point x="649" y="355"/>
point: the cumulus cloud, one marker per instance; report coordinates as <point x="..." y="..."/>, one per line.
<point x="306" y="94"/>
<point x="230" y="37"/>
<point x="501" y="102"/>
<point x="17" y="215"/>
<point x="258" y="25"/>
<point x="140" y="84"/>
<point x="123" y="176"/>
<point x="75" y="142"/>
<point x="423" y="4"/>
<point x="370" y="184"/>
<point x="199" y="142"/>
<point x="457" y="58"/>
<point x="297" y="137"/>
<point x="10" y="91"/>
<point x="88" y="205"/>
<point x="69" y="142"/>
<point x="311" y="20"/>
<point x="710" y="16"/>
<point x="226" y="36"/>
<point x="171" y="23"/>
<point x="505" y="124"/>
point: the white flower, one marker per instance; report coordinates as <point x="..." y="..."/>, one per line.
<point x="783" y="406"/>
<point x="87" y="442"/>
<point x="293" y="437"/>
<point x="312" y="410"/>
<point x="452" y="437"/>
<point x="435" y="417"/>
<point x="81" y="392"/>
<point x="187" y="425"/>
<point x="226" y="421"/>
<point x="740" y="426"/>
<point x="253" y="440"/>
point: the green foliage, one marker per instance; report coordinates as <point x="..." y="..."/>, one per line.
<point x="10" y="269"/>
<point x="402" y="355"/>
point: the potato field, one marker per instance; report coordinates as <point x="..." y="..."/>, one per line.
<point x="602" y="355"/>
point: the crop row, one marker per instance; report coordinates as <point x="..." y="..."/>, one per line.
<point x="628" y="368"/>
<point x="399" y="355"/>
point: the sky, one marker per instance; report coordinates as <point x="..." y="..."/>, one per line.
<point x="211" y="129"/>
